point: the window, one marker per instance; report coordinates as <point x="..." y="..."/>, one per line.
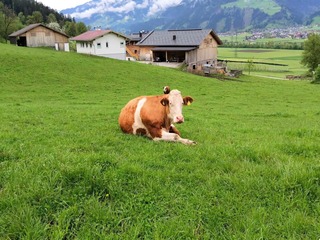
<point x="121" y="44"/>
<point x="98" y="45"/>
<point x="82" y="45"/>
<point x="107" y="44"/>
<point x="86" y="45"/>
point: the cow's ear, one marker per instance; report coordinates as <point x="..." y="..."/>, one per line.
<point x="164" y="101"/>
<point x="187" y="100"/>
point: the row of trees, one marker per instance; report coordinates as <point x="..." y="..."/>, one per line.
<point x="27" y="7"/>
<point x="10" y="22"/>
<point x="269" y="44"/>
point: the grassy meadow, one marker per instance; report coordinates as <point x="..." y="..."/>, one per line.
<point x="290" y="58"/>
<point x="68" y="172"/>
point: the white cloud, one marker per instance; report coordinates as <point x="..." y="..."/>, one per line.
<point x="144" y="4"/>
<point x="128" y="7"/>
<point x="103" y="6"/>
<point x="125" y="6"/>
<point x="160" y="5"/>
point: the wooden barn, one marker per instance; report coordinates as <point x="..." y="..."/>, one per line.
<point x="192" y="46"/>
<point x="39" y="35"/>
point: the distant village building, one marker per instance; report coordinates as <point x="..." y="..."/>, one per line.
<point x="104" y="43"/>
<point x="39" y="35"/>
<point x="192" y="46"/>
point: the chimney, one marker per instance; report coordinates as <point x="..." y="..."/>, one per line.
<point x="174" y="37"/>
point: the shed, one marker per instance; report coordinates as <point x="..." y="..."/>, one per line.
<point x="40" y="35"/>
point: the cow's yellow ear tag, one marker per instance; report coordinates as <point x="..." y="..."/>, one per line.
<point x="188" y="103"/>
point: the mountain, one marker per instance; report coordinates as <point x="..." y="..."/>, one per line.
<point x="220" y="15"/>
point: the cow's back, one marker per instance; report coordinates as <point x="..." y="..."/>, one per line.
<point x="126" y="117"/>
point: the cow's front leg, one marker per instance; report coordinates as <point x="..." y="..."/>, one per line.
<point x="173" y="137"/>
<point x="173" y="129"/>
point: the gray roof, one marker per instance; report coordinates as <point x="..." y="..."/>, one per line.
<point x="178" y="49"/>
<point x="187" y="37"/>
<point x="32" y="26"/>
<point x="135" y="37"/>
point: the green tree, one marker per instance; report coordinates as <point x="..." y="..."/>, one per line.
<point x="22" y="18"/>
<point x="81" y="28"/>
<point x="70" y="29"/>
<point x="36" y="17"/>
<point x="311" y="52"/>
<point x="8" y="21"/>
<point x="316" y="75"/>
<point x="54" y="25"/>
<point x="52" y="18"/>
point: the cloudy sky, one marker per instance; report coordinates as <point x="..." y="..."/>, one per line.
<point x="62" y="4"/>
<point x="102" y="6"/>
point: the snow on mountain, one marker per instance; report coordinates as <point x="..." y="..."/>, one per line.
<point x="151" y="7"/>
<point x="220" y="15"/>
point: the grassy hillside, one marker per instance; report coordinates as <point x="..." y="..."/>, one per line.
<point x="266" y="6"/>
<point x="68" y="172"/>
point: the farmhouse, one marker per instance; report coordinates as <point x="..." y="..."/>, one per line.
<point x="104" y="43"/>
<point x="133" y="49"/>
<point x="193" y="46"/>
<point x="39" y="35"/>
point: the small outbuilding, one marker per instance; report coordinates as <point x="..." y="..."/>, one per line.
<point x="40" y="35"/>
<point x="104" y="43"/>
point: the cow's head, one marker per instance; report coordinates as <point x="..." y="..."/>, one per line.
<point x="175" y="102"/>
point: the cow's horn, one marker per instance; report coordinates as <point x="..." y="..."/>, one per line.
<point x="166" y="89"/>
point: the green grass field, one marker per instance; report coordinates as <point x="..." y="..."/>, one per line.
<point x="291" y="58"/>
<point x="68" y="172"/>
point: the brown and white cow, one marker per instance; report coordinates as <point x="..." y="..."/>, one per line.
<point x="153" y="116"/>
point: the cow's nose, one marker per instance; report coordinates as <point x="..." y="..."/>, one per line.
<point x="179" y="119"/>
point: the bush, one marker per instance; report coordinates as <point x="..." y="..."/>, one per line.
<point x="316" y="76"/>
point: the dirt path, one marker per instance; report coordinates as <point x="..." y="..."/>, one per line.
<point x="268" y="77"/>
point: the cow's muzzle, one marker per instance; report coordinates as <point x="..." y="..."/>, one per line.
<point x="179" y="119"/>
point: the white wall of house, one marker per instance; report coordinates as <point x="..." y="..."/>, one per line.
<point x="109" y="45"/>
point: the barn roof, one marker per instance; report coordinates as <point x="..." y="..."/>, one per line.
<point x="187" y="37"/>
<point x="136" y="37"/>
<point x="94" y="34"/>
<point x="32" y="26"/>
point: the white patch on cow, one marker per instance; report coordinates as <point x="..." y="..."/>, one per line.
<point x="172" y="137"/>
<point x="175" y="106"/>
<point x="137" y="117"/>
